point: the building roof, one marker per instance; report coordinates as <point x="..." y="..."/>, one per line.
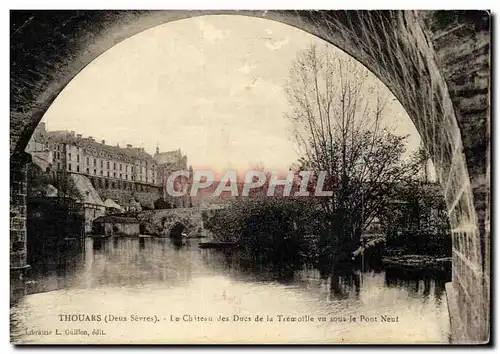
<point x="90" y="146"/>
<point x="117" y="219"/>
<point x="109" y="203"/>
<point x="169" y="157"/>
<point x="138" y="153"/>
<point x="99" y="149"/>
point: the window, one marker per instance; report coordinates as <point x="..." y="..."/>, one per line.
<point x="107" y="164"/>
<point x="121" y="175"/>
<point x="87" y="169"/>
<point x="132" y="168"/>
<point x="126" y="168"/>
<point x="69" y="167"/>
<point x="95" y="162"/>
<point x="58" y="155"/>
<point x="69" y="156"/>
<point x="120" y="167"/>
<point x="77" y="168"/>
<point x="114" y="165"/>
<point x="101" y="173"/>
<point x="58" y="165"/>
<point x="87" y="160"/>
<point x="126" y="176"/>
<point x="114" y="174"/>
<point x="102" y="164"/>
<point x="95" y="171"/>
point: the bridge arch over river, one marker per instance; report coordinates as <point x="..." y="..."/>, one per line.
<point x="437" y="63"/>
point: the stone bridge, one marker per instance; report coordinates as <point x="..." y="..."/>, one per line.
<point x="163" y="222"/>
<point x="437" y="63"/>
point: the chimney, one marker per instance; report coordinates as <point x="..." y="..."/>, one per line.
<point x="91" y="138"/>
<point x="129" y="146"/>
<point x="72" y="133"/>
<point x="103" y="142"/>
<point x="79" y="136"/>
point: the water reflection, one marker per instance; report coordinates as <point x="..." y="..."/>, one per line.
<point x="151" y="275"/>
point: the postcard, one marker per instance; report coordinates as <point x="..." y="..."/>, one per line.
<point x="250" y="177"/>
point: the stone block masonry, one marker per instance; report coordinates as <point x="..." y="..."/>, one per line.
<point x="160" y="222"/>
<point x="18" y="205"/>
<point x="123" y="196"/>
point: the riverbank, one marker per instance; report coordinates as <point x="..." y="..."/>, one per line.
<point x="397" y="258"/>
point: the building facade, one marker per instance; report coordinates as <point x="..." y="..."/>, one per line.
<point x="168" y="163"/>
<point x="127" y="175"/>
<point x="74" y="153"/>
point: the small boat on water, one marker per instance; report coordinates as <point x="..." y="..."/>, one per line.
<point x="217" y="245"/>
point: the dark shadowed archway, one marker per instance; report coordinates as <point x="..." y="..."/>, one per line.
<point x="175" y="233"/>
<point x="176" y="230"/>
<point x="436" y="63"/>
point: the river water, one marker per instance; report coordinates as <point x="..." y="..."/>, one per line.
<point x="108" y="292"/>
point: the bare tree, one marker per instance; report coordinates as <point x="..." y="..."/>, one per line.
<point x="337" y="115"/>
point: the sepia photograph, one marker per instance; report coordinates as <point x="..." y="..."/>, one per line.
<point x="197" y="177"/>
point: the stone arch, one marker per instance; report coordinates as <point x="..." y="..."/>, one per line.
<point x="174" y="232"/>
<point x="424" y="58"/>
<point x="176" y="229"/>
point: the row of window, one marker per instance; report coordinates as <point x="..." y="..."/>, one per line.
<point x="121" y="176"/>
<point x="120" y="166"/>
<point x="118" y="185"/>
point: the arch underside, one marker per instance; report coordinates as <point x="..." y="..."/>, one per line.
<point x="175" y="229"/>
<point x="435" y="62"/>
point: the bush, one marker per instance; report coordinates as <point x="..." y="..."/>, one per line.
<point x="162" y="204"/>
<point x="271" y="229"/>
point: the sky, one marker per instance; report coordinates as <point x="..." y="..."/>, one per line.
<point x="211" y="86"/>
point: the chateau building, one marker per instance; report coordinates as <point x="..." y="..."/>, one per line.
<point x="73" y="153"/>
<point x="126" y="175"/>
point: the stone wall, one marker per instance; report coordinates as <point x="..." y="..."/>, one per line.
<point x="91" y="213"/>
<point x="18" y="213"/>
<point x="119" y="229"/>
<point x="461" y="40"/>
<point x="160" y="222"/>
<point x="123" y="196"/>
